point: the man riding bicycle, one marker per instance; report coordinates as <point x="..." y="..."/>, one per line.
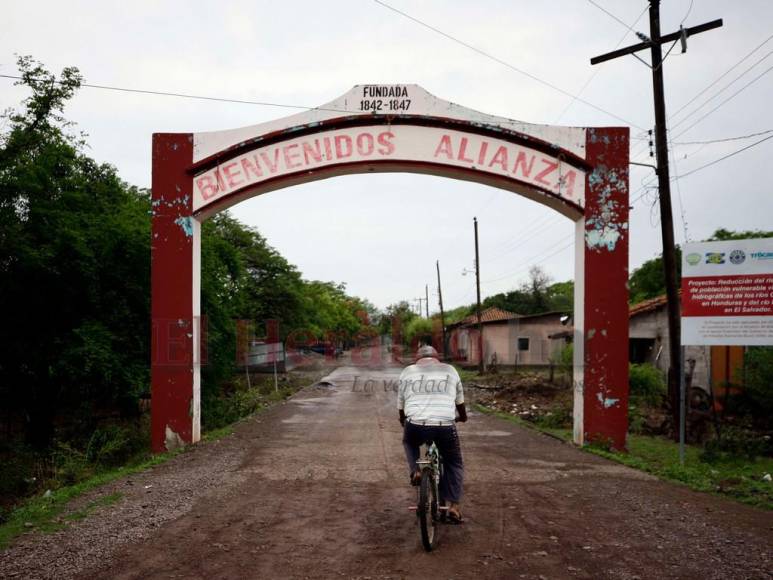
<point x="429" y="396"/>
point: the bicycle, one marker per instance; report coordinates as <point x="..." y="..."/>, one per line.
<point x="429" y="512"/>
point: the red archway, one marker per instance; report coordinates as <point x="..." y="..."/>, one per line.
<point x="580" y="172"/>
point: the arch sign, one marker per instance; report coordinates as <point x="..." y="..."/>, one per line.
<point x="580" y="172"/>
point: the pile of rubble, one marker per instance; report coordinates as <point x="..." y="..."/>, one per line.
<point x="529" y="396"/>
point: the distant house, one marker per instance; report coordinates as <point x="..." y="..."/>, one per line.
<point x="512" y="338"/>
<point x="535" y="340"/>
<point x="648" y="343"/>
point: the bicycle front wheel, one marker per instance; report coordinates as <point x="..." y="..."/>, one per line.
<point x="427" y="511"/>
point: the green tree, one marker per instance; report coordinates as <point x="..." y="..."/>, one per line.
<point x="396" y="315"/>
<point x="535" y="296"/>
<point x="244" y="278"/>
<point x="418" y="330"/>
<point x="458" y="313"/>
<point x="648" y="280"/>
<point x="722" y="235"/>
<point x="74" y="266"/>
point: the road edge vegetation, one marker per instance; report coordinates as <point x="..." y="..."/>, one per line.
<point x="740" y="480"/>
<point x="47" y="513"/>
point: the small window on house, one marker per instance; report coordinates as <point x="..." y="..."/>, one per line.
<point x="523" y="344"/>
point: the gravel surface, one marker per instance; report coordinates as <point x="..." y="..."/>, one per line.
<point x="317" y="488"/>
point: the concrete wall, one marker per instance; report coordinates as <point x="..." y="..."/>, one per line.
<point x="654" y="325"/>
<point x="536" y="330"/>
<point x="502" y="338"/>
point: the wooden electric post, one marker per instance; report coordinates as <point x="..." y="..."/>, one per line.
<point x="426" y="299"/>
<point x="654" y="43"/>
<point x="442" y="313"/>
<point x="481" y="361"/>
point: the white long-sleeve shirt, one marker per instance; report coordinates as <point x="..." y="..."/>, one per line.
<point x="429" y="391"/>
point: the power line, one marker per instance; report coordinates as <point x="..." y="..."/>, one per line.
<point x="531" y="264"/>
<point x="723" y="75"/>
<point x="688" y="12"/>
<point x="735" y="94"/>
<point x="615" y="18"/>
<point x="503" y="63"/>
<point x="721" y="104"/>
<point x="712" y="84"/>
<point x="723" y="89"/>
<point x="733" y="154"/>
<point x="190" y="96"/>
<point x="679" y="192"/>
<point x="508" y="246"/>
<point x="643" y="189"/>
<point x="511" y="273"/>
<point x="702" y="167"/>
<point x="724" y="140"/>
<point x="596" y="71"/>
<point x="676" y="178"/>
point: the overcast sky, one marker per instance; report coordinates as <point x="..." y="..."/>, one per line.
<point x="381" y="234"/>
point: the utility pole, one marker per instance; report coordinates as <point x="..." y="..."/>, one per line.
<point x="654" y="43"/>
<point x="420" y="299"/>
<point x="426" y="298"/>
<point x="481" y="361"/>
<point x="442" y="313"/>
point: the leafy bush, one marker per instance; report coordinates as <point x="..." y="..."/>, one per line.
<point x="735" y="443"/>
<point x="758" y="375"/>
<point x="636" y="418"/>
<point x="559" y="416"/>
<point x="563" y="360"/>
<point x="70" y="465"/>
<point x="115" y="444"/>
<point x="647" y="384"/>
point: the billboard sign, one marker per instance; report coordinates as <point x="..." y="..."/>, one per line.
<point x="727" y="292"/>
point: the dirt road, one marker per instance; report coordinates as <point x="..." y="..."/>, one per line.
<point x="317" y="488"/>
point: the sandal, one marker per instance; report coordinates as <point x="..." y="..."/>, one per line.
<point x="454" y="517"/>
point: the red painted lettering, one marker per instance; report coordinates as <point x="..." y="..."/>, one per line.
<point x="568" y="183"/>
<point x="328" y="148"/>
<point x="272" y="165"/>
<point x="343" y="146"/>
<point x="385" y="140"/>
<point x="551" y="167"/>
<point x="314" y="153"/>
<point x="232" y="174"/>
<point x="520" y="162"/>
<point x="445" y="147"/>
<point x="365" y="144"/>
<point x="482" y="152"/>
<point x="500" y="158"/>
<point x="291" y="157"/>
<point x="207" y="186"/>
<point x="251" y="166"/>
<point x="463" y="150"/>
<point x="220" y="182"/>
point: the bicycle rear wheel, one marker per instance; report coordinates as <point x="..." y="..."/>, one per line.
<point x="427" y="511"/>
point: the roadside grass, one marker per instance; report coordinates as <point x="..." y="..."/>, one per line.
<point x="45" y="513"/>
<point x="736" y="478"/>
<point x="556" y="432"/>
<point x="466" y="375"/>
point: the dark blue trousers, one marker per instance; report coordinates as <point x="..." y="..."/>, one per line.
<point x="447" y="440"/>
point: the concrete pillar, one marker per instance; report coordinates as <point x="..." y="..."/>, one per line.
<point x="601" y="294"/>
<point x="175" y="290"/>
